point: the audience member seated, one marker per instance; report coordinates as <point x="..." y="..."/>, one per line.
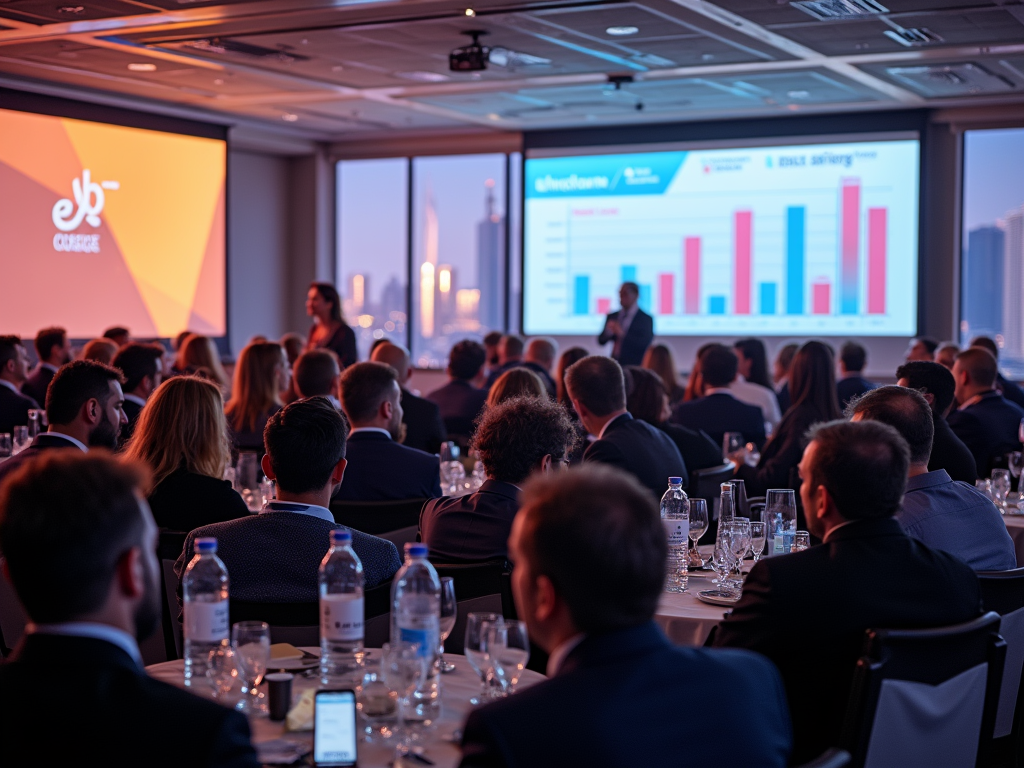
<point x="424" y="429"/>
<point x="52" y="350"/>
<point x="945" y="354"/>
<point x="197" y="355"/>
<point x="515" y="438"/>
<point x="589" y="552"/>
<point x="780" y="374"/>
<point x="316" y="373"/>
<point x="293" y="344"/>
<point x="540" y="358"/>
<point x="567" y="358"/>
<point x="274" y="557"/>
<point x="143" y="367"/>
<point x="922" y="348"/>
<point x="808" y="611"/>
<point x="658" y="358"/>
<point x="261" y="375"/>
<point x="491" y="342"/>
<point x="719" y="411"/>
<point x="944" y="514"/>
<point x="937" y="385"/>
<point x="510" y="355"/>
<point x="182" y="438"/>
<point x="647" y="400"/>
<point x="461" y="399"/>
<point x="379" y="467"/>
<point x="752" y="384"/>
<point x="14" y="406"/>
<point x="694" y="389"/>
<point x="101" y="350"/>
<point x="851" y="385"/>
<point x="812" y="383"/>
<point x="84" y="408"/>
<point x="987" y="422"/>
<point x="118" y="335"/>
<point x="598" y="393"/>
<point x="80" y="549"/>
<point x="515" y="382"/>
<point x="1009" y="389"/>
<point x="330" y="331"/>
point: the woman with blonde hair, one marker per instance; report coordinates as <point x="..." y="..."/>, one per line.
<point x="182" y="437"/>
<point x="261" y="377"/>
<point x="516" y="382"/>
<point x="198" y="355"/>
<point x="658" y="358"/>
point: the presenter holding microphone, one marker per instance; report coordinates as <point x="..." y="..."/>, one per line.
<point x="630" y="328"/>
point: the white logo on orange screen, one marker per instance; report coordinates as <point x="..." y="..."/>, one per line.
<point x="90" y="198"/>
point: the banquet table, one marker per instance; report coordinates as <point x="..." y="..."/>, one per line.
<point x="684" y="619"/>
<point x="440" y="745"/>
<point x="1015" y="527"/>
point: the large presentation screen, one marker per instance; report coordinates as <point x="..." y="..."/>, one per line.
<point x="790" y="239"/>
<point x="105" y="225"/>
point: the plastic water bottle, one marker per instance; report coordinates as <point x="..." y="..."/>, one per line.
<point x="205" y="589"/>
<point x="415" y="618"/>
<point x="341" y="613"/>
<point x="675" y="516"/>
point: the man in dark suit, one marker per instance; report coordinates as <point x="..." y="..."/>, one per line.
<point x="616" y="685"/>
<point x="143" y="368"/>
<point x="80" y="548"/>
<point x="461" y="399"/>
<point x="424" y="429"/>
<point x="718" y="411"/>
<point x="540" y="356"/>
<point x="53" y="350"/>
<point x="598" y="392"/>
<point x="987" y="423"/>
<point x="515" y="438"/>
<point x="1009" y="389"/>
<point x="510" y="355"/>
<point x="379" y="467"/>
<point x="808" y="611"/>
<point x="14" y="406"/>
<point x="937" y="385"/>
<point x="317" y="373"/>
<point x="274" y="557"/>
<point x="852" y="359"/>
<point x="84" y="409"/>
<point x="630" y="328"/>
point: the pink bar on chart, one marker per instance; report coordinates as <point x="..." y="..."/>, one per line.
<point x="742" y="234"/>
<point x="877" y="225"/>
<point x="604" y="306"/>
<point x="821" y="299"/>
<point x="666" y="285"/>
<point x="691" y="268"/>
<point x="849" y="274"/>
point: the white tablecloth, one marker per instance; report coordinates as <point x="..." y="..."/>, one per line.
<point x="456" y="689"/>
<point x="684" y="618"/>
<point x="1015" y="526"/>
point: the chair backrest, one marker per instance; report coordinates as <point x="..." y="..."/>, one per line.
<point x="479" y="588"/>
<point x="707" y="484"/>
<point x="402" y="536"/>
<point x="12" y="616"/>
<point x="377" y="517"/>
<point x="926" y="696"/>
<point x="1003" y="592"/>
<point x="170" y="544"/>
<point x="172" y="627"/>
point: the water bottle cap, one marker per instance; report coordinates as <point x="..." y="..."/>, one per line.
<point x="675" y="481"/>
<point x="341" y="537"/>
<point x="416" y="549"/>
<point x="206" y="545"/>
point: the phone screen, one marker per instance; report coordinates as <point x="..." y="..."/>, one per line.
<point x="334" y="728"/>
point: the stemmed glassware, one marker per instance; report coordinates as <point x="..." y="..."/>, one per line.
<point x="251" y="643"/>
<point x="404" y="669"/>
<point x="478" y="652"/>
<point x="246" y="480"/>
<point x="222" y="671"/>
<point x="731" y="442"/>
<point x="21" y="440"/>
<point x="449" y="612"/>
<point x="509" y="646"/>
<point x="757" y="539"/>
<point x="1000" y="486"/>
<point x="721" y="557"/>
<point x="698" y="525"/>
<point x="739" y="545"/>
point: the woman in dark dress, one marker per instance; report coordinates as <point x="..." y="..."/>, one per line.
<point x="261" y="377"/>
<point x="182" y="437"/>
<point x="330" y="331"/>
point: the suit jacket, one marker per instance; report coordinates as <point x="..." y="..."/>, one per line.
<point x="471" y="527"/>
<point x="950" y="453"/>
<point x="1010" y="390"/>
<point x="121" y="716"/>
<point x="379" y="469"/>
<point x="132" y="411"/>
<point x="808" y="611"/>
<point x="459" y="403"/>
<point x="781" y="454"/>
<point x="639" y="336"/>
<point x="989" y="428"/>
<point x="184" y="501"/>
<point x="424" y="429"/>
<point x="14" y="408"/>
<point x="852" y="386"/>
<point x="697" y="449"/>
<point x="719" y="413"/>
<point x="642" y="450"/>
<point x="617" y="700"/>
<point x="44" y="441"/>
<point x="37" y="383"/>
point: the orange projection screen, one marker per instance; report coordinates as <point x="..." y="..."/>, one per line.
<point x="105" y="225"/>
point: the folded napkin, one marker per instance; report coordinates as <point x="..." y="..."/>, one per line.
<point x="300" y="718"/>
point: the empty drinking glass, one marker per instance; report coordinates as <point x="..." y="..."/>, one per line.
<point x="509" y="646"/>
<point x="801" y="541"/>
<point x="251" y="643"/>
<point x="21" y="440"/>
<point x="449" y="452"/>
<point x="377" y="702"/>
<point x="698" y="524"/>
<point x="780" y="515"/>
<point x="757" y="539"/>
<point x="732" y="442"/>
<point x="477" y="653"/>
<point x="222" y="671"/>
<point x="456" y="479"/>
<point x="247" y="480"/>
<point x="1000" y="486"/>
<point x="449" y="612"/>
<point x="34" y="422"/>
<point x="404" y="669"/>
<point x="1016" y="463"/>
<point x="6" y="447"/>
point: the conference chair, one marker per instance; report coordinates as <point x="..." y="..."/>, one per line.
<point x="478" y="589"/>
<point x="170" y="544"/>
<point x="172" y="631"/>
<point x="926" y="696"/>
<point x="1003" y="592"/>
<point x="707" y="484"/>
<point x="378" y="517"/>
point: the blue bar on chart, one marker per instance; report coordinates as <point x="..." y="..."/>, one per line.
<point x="581" y="295"/>
<point x="645" y="298"/>
<point x="767" y="298"/>
<point x="628" y="273"/>
<point x="795" y="249"/>
<point x="716" y="305"/>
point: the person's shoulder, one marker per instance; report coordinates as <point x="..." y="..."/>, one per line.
<point x="415" y="454"/>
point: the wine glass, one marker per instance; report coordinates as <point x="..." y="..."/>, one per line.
<point x="449" y="452"/>
<point x="377" y="702"/>
<point x="1000" y="486"/>
<point x="801" y="541"/>
<point x="731" y="442"/>
<point x="449" y="612"/>
<point x="757" y="539"/>
<point x="222" y="671"/>
<point x="509" y="645"/>
<point x="698" y="525"/>
<point x="721" y="558"/>
<point x="404" y="669"/>
<point x="21" y="440"/>
<point x="1016" y="462"/>
<point x="251" y="643"/>
<point x="456" y="479"/>
<point x="477" y="653"/>
<point x="739" y="544"/>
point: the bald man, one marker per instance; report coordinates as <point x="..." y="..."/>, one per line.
<point x="424" y="429"/>
<point x="540" y="358"/>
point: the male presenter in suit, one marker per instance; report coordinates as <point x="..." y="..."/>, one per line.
<point x="630" y="328"/>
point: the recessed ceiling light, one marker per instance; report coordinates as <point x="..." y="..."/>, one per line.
<point x="470" y="12"/>
<point x="423" y="77"/>
<point x="621" y="31"/>
<point x="799" y="94"/>
<point x="138" y="66"/>
<point x="71" y="10"/>
<point x="289" y="117"/>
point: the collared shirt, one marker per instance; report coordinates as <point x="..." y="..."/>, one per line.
<point x="720" y="391"/>
<point x="626" y="317"/>
<point x="313" y="510"/>
<point x="754" y="394"/>
<point x="10" y="386"/>
<point x="559" y="655"/>
<point x="94" y="630"/>
<point x="974" y="400"/>
<point x="77" y="443"/>
<point x="335" y="402"/>
<point x="370" y="429"/>
<point x="134" y="399"/>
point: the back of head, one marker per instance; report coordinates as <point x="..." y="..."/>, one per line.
<point x="986" y="343"/>
<point x="74" y="385"/>
<point x="597" y="383"/>
<point x="631" y="287"/>
<point x="256" y="387"/>
<point x="593" y="515"/>
<point x="293" y="344"/>
<point x="853" y="356"/>
<point x="47" y="339"/>
<point x="118" y="335"/>
<point x="330" y="294"/>
<point x="364" y="386"/>
<point x="182" y="427"/>
<point x="929" y="344"/>
<point x="903" y="409"/>
<point x="567" y="358"/>
<point x="137" y="361"/>
<point x="179" y="340"/>
<point x="946" y="354"/>
<point x="8" y="350"/>
<point x="466" y="359"/>
<point x="66" y="519"/>
<point x="516" y="382"/>
<point x="100" y="350"/>
<point x="658" y="358"/>
<point x="863" y="465"/>
<point x="931" y="378"/>
<point x="197" y="353"/>
<point x="305" y="440"/>
<point x="515" y="435"/>
<point x="784" y="358"/>
<point x="646" y="397"/>
<point x="542" y="351"/>
<point x="754" y="351"/>
<point x="510" y="347"/>
<point x="718" y="365"/>
<point x="812" y="379"/>
<point x="315" y="372"/>
<point x="980" y="365"/>
<point x="394" y="355"/>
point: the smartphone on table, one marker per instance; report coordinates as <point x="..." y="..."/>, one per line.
<point x="334" y="728"/>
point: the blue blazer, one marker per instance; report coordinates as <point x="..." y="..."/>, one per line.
<point x="14" y="408"/>
<point x="989" y="428"/>
<point x="644" y="451"/>
<point x="626" y="699"/>
<point x="380" y="469"/>
<point x="460" y="403"/>
<point x="471" y="527"/>
<point x="719" y="413"/>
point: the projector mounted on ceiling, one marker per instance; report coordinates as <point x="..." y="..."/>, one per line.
<point x="471" y="58"/>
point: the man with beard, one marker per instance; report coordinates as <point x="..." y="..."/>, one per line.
<point x="80" y="549"/>
<point x="379" y="467"/>
<point x="85" y="409"/>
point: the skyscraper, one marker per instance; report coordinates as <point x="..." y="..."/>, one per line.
<point x="1013" y="285"/>
<point x="490" y="243"/>
<point x="983" y="275"/>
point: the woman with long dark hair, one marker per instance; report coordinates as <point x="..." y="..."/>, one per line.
<point x="261" y="376"/>
<point x="754" y="385"/>
<point x="658" y="358"/>
<point x="330" y="331"/>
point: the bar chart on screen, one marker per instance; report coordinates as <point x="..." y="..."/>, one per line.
<point x="817" y="238"/>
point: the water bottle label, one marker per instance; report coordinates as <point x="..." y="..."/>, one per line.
<point x="341" y="616"/>
<point x="206" y="622"/>
<point x="421" y="636"/>
<point x="677" y="531"/>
